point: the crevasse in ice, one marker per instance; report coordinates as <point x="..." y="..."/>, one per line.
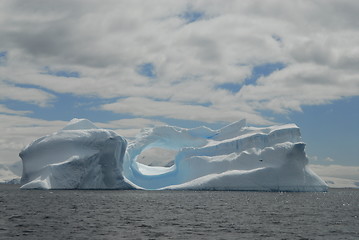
<point x="236" y="157"/>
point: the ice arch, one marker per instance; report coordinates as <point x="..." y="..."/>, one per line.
<point x="166" y="137"/>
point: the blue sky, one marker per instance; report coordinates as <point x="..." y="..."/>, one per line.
<point x="128" y="65"/>
<point x="331" y="130"/>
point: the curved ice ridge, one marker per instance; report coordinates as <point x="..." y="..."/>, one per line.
<point x="235" y="157"/>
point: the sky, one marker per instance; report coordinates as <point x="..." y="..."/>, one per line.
<point x="126" y="65"/>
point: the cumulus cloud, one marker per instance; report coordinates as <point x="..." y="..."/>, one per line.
<point x="192" y="47"/>
<point x="297" y="85"/>
<point x="18" y="131"/>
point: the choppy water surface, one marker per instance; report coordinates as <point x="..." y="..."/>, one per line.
<point x="36" y="214"/>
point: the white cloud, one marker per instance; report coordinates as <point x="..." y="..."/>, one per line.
<point x="313" y="158"/>
<point x="152" y="108"/>
<point x="338" y="176"/>
<point x="329" y="159"/>
<point x="106" y="42"/>
<point x="32" y="95"/>
<point x="337" y="171"/>
<point x="18" y="131"/>
<point x="300" y="84"/>
<point x="4" y="109"/>
<point x="131" y="123"/>
<point x="129" y="128"/>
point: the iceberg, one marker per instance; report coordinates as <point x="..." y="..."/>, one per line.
<point x="235" y="157"/>
<point x="80" y="156"/>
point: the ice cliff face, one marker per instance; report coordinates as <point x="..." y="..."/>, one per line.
<point x="80" y="156"/>
<point x="235" y="157"/>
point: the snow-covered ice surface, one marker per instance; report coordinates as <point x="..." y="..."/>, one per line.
<point x="236" y="157"/>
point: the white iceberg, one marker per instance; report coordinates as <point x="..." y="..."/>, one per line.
<point x="80" y="156"/>
<point x="236" y="157"/>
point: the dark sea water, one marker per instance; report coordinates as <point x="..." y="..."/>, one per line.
<point x="73" y="214"/>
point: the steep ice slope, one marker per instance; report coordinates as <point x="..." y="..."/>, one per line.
<point x="235" y="157"/>
<point x="79" y="156"/>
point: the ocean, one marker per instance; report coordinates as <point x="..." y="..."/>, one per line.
<point x="136" y="214"/>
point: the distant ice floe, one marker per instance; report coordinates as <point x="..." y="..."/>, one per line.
<point x="236" y="157"/>
<point x="9" y="173"/>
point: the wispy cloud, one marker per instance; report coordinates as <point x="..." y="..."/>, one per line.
<point x="153" y="108"/>
<point x="10" y="91"/>
<point x="6" y="110"/>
